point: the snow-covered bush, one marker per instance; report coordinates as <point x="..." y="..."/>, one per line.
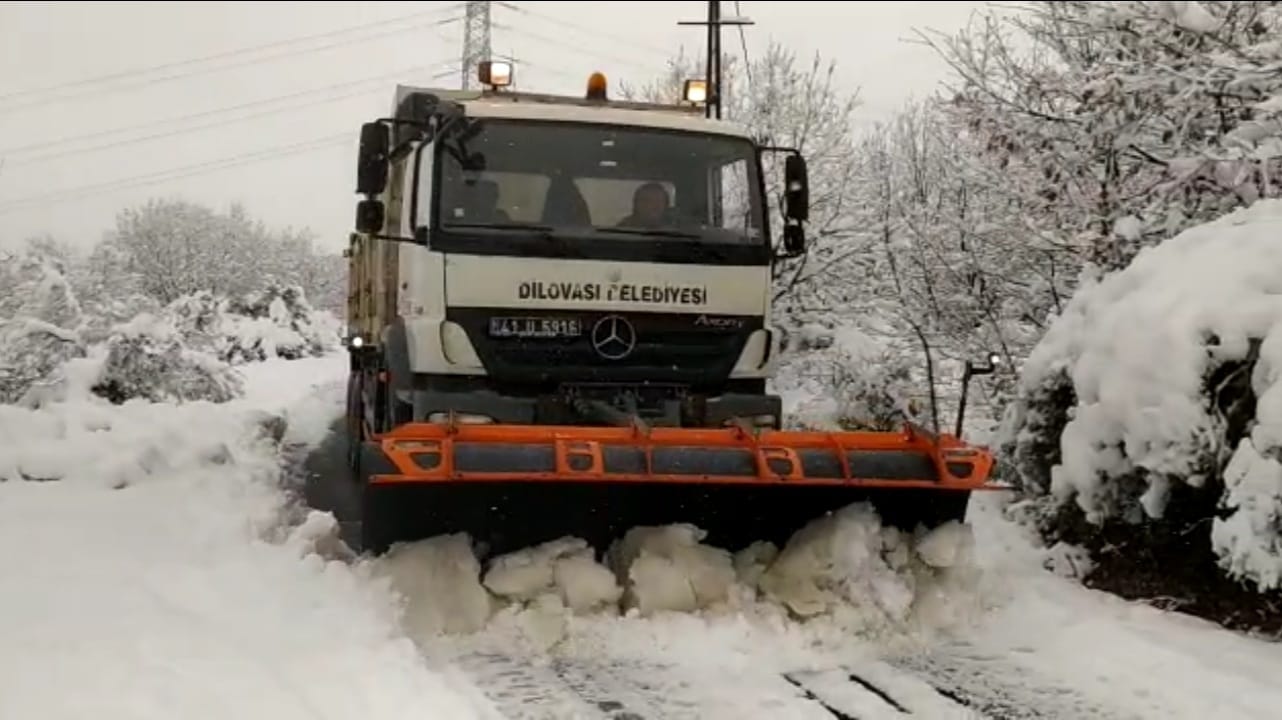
<point x="183" y="351"/>
<point x="147" y="358"/>
<point x="1156" y="395"/>
<point x="39" y="322"/>
<point x="273" y="323"/>
<point x="31" y="352"/>
<point x="279" y="322"/>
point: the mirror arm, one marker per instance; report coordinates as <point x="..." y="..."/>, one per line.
<point x="778" y="149"/>
<point x="391" y="238"/>
<point x="969" y="371"/>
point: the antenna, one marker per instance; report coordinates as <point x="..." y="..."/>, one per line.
<point x="713" y="74"/>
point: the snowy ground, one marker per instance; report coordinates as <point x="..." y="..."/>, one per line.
<point x="150" y="576"/>
<point x="144" y="579"/>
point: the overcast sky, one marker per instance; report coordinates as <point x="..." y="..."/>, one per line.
<point x="288" y="152"/>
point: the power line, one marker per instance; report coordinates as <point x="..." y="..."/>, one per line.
<point x="221" y="55"/>
<point x="184" y="130"/>
<point x="250" y="61"/>
<point x="570" y="46"/>
<point x="23" y="149"/>
<point x="592" y="31"/>
<point x="743" y="43"/>
<point x="172" y="174"/>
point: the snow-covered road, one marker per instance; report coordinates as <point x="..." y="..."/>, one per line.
<point x="163" y="572"/>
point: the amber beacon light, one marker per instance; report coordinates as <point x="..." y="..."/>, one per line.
<point x="596" y="86"/>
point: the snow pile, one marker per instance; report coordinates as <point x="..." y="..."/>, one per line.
<point x="849" y="566"/>
<point x="439" y="579"/>
<point x="1165" y="374"/>
<point x="668" y="568"/>
<point x="566" y="568"/>
<point x="844" y="568"/>
<point x="839" y="377"/>
<point x="152" y="575"/>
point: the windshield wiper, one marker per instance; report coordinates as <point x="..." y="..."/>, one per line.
<point x="649" y="231"/>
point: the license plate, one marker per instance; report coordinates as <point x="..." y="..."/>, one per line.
<point x="535" y="327"/>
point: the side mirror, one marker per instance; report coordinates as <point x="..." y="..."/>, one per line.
<point x="796" y="188"/>
<point x="794" y="240"/>
<point x="369" y="217"/>
<point x="371" y="162"/>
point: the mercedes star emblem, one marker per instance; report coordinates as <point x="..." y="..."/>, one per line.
<point x="613" y="337"/>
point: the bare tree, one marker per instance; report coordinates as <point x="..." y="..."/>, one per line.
<point x="787" y="102"/>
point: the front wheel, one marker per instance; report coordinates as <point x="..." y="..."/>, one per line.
<point x="355" y="421"/>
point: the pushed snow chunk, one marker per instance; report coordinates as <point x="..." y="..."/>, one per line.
<point x="668" y="568"/>
<point x="439" y="579"/>
<point x="565" y="567"/>
<point x="319" y="534"/>
<point x="526" y="574"/>
<point x="946" y="545"/>
<point x="843" y="561"/>
<point x="752" y="561"/>
<point x="585" y="584"/>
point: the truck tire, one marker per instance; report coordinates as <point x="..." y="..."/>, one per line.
<point x="355" y="424"/>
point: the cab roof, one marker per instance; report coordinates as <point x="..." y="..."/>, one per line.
<point x="561" y="108"/>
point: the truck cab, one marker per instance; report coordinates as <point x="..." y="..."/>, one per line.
<point x="546" y="260"/>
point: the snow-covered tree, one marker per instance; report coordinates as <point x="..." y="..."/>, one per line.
<point x="786" y="101"/>
<point x="1119" y="118"/>
<point x="170" y="248"/>
<point x="40" y="319"/>
<point x="163" y="306"/>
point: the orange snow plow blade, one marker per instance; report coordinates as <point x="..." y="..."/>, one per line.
<point x="512" y="486"/>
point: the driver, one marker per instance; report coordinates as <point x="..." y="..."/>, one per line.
<point x="649" y="206"/>
<point x="484" y="202"/>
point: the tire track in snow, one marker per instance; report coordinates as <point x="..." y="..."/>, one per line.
<point x="530" y="688"/>
<point x="999" y="688"/>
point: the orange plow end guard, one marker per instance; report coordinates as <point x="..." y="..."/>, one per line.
<point x="912" y="458"/>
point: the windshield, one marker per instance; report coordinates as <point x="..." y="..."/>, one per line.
<point x="593" y="185"/>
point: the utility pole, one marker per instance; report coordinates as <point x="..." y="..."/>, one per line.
<point x="713" y="72"/>
<point x="476" y="40"/>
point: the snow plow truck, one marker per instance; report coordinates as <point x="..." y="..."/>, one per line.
<point x="559" y="324"/>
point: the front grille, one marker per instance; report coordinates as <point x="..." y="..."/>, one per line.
<point x="668" y="348"/>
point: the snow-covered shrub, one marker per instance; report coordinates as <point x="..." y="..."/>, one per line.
<point x="842" y="378"/>
<point x="279" y="322"/>
<point x="147" y="359"/>
<point x="1155" y="397"/>
<point x="39" y="322"/>
<point x="276" y="322"/>
<point x="31" y="351"/>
